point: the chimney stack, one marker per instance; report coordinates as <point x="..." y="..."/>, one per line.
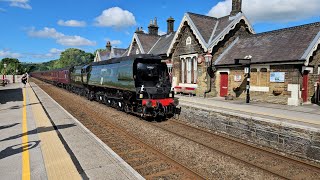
<point x="139" y="30"/>
<point x="108" y="46"/>
<point x="236" y="7"/>
<point x="153" y="27"/>
<point x="170" y="25"/>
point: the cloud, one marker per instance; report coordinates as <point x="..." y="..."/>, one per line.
<point x="19" y="3"/>
<point x="162" y="33"/>
<point x="2" y="10"/>
<point x="8" y="54"/>
<point x="271" y="10"/>
<point x="45" y="33"/>
<point x="114" y="42"/>
<point x="75" y="41"/>
<point x="61" y="38"/>
<point x="115" y="17"/>
<point x="72" y="23"/>
<point x="53" y="53"/>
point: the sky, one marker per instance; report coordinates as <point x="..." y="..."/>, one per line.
<point x="39" y="30"/>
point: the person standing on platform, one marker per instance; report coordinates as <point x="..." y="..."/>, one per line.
<point x="24" y="79"/>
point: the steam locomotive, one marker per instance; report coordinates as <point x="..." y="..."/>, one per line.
<point x="138" y="84"/>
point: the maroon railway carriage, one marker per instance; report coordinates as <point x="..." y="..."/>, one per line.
<point x="60" y="77"/>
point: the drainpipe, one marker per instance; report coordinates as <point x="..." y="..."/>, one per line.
<point x="208" y="89"/>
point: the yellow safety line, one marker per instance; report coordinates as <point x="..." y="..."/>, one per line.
<point x="25" y="151"/>
<point x="57" y="161"/>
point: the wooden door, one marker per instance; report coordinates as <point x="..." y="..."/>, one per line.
<point x="223" y="84"/>
<point x="305" y="86"/>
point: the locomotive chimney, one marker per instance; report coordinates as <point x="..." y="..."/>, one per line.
<point x="170" y="25"/>
<point x="236" y="7"/>
<point x="108" y="46"/>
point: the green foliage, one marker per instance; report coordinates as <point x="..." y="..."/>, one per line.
<point x="70" y="57"/>
<point x="95" y="52"/>
<point x="13" y="65"/>
<point x="74" y="57"/>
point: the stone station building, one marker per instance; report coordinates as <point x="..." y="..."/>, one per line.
<point x="284" y="64"/>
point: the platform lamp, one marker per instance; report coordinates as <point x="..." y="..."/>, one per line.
<point x="246" y="61"/>
<point x="208" y="58"/>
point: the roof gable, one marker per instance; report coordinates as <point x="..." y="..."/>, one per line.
<point x="209" y="30"/>
<point x="144" y="41"/>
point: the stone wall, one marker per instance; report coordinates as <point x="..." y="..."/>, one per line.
<point x="277" y="92"/>
<point x="297" y="140"/>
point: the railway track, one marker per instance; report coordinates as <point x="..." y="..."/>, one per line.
<point x="155" y="158"/>
<point x="260" y="158"/>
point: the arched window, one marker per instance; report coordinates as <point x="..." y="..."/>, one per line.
<point x="182" y="70"/>
<point x="263" y="70"/>
<point x="254" y="76"/>
<point x="254" y="70"/>
<point x="195" y="70"/>
<point x="188" y="40"/>
<point x="263" y="77"/>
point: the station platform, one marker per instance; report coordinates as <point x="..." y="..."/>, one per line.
<point x="306" y="115"/>
<point x="40" y="140"/>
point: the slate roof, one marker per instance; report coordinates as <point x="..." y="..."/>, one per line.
<point x="283" y="45"/>
<point x="104" y="55"/>
<point x="115" y="52"/>
<point x="118" y="52"/>
<point x="147" y="41"/>
<point x="162" y="45"/>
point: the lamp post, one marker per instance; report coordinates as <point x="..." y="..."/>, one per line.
<point x="246" y="61"/>
<point x="207" y="59"/>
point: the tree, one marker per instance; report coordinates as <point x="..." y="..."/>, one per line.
<point x="13" y="64"/>
<point x="95" y="52"/>
<point x="74" y="57"/>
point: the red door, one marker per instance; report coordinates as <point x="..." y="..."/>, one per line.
<point x="305" y="86"/>
<point x="223" y="84"/>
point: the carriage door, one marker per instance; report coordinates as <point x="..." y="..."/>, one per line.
<point x="189" y="70"/>
<point x="223" y="84"/>
<point x="305" y="86"/>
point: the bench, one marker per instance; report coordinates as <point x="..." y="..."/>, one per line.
<point x="185" y="90"/>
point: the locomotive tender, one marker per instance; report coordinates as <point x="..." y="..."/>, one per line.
<point x="138" y="84"/>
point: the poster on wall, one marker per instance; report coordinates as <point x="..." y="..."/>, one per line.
<point x="277" y="76"/>
<point x="237" y="78"/>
